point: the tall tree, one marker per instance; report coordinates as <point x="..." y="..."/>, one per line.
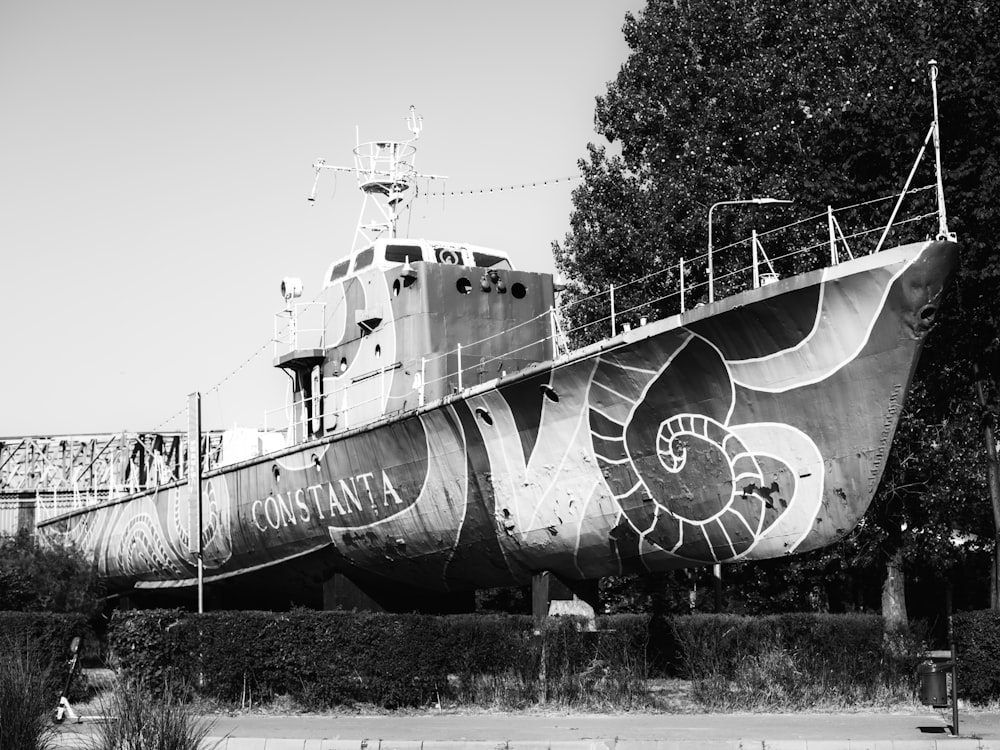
<point x="826" y="103"/>
<point x="46" y="578"/>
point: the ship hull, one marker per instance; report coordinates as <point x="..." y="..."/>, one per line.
<point x="752" y="428"/>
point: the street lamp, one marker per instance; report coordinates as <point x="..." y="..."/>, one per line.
<point x="757" y="201"/>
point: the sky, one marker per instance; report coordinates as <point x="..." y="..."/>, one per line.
<point x="155" y="164"/>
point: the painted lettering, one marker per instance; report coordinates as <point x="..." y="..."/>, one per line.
<point x="334" y="502"/>
<point x="388" y="490"/>
<point x="254" y="510"/>
<point x="363" y="497"/>
<point x="271" y="504"/>
<point x="285" y="503"/>
<point x="300" y="503"/>
<point x="314" y="489"/>
<point x="350" y="493"/>
<point x="371" y="498"/>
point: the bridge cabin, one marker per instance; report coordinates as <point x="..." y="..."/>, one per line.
<point x="402" y="323"/>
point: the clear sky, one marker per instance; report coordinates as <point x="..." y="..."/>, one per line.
<point x="155" y="160"/>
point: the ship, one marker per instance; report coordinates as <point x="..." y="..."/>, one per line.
<point x="447" y="433"/>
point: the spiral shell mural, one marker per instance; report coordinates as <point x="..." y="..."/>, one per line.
<point x="752" y="428"/>
<point x="683" y="480"/>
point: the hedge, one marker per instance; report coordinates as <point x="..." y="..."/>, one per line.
<point x="323" y="659"/>
<point x="977" y="641"/>
<point x="793" y="661"/>
<point x="345" y="658"/>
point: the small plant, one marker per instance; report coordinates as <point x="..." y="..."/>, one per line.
<point x="140" y="718"/>
<point x="26" y="702"/>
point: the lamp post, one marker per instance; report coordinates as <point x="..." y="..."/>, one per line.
<point x="756" y="201"/>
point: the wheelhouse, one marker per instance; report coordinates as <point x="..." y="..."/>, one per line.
<point x="392" y="252"/>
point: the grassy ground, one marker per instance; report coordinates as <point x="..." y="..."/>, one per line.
<point x="673" y="696"/>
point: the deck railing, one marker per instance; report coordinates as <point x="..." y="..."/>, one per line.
<point x="300" y="326"/>
<point x="585" y="317"/>
<point x="746" y="264"/>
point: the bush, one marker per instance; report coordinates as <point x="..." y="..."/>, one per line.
<point x="46" y="578"/>
<point x="977" y="640"/>
<point x="26" y="700"/>
<point x="792" y="661"/>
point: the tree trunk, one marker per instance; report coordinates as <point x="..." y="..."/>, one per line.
<point x="993" y="475"/>
<point x="894" y="594"/>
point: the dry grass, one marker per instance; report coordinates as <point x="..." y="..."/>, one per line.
<point x="138" y="719"/>
<point x="26" y="701"/>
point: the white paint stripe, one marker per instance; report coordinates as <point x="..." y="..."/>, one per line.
<point x="608" y="438"/>
<point x="612" y="391"/>
<point x="632" y="368"/>
<point x="828" y="369"/>
<point x="579" y="527"/>
<point x="614" y="461"/>
<point x="609" y="418"/>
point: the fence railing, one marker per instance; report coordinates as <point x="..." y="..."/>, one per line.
<point x="300" y="326"/>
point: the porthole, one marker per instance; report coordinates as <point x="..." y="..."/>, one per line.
<point x="518" y="290"/>
<point x="484" y="415"/>
<point x="378" y="351"/>
<point x="463" y="285"/>
<point x="549" y="392"/>
<point x="395" y="288"/>
<point x="343" y="364"/>
<point x="276" y="473"/>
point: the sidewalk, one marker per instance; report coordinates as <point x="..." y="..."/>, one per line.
<point x="862" y="731"/>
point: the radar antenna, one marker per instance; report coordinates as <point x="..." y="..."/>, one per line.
<point x="387" y="177"/>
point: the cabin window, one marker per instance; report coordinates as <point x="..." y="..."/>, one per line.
<point x="338" y="271"/>
<point x="399" y="253"/>
<point x="488" y="260"/>
<point x="518" y="290"/>
<point x="364" y="258"/>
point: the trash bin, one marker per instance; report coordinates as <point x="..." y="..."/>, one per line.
<point x="934" y="683"/>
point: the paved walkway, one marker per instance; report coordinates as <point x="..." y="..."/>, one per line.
<point x="861" y="731"/>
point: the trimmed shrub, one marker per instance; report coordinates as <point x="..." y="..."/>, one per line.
<point x="977" y="640"/>
<point x="324" y="659"/>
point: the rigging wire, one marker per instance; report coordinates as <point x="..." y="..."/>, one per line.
<point x="504" y="188"/>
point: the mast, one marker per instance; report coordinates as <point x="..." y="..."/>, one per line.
<point x="943" y="233"/>
<point x="387" y="177"/>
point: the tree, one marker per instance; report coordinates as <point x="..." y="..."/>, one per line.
<point x="826" y="103"/>
<point x="38" y="578"/>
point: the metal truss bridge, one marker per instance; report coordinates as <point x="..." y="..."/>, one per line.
<point x="42" y="476"/>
